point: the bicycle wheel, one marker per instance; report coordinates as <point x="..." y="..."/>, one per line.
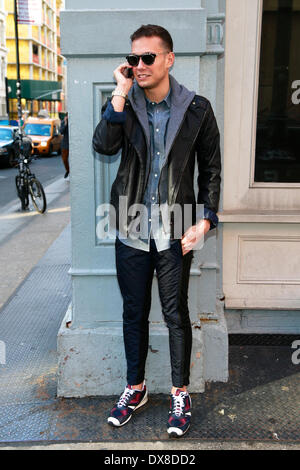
<point x="37" y="195"/>
<point x="22" y="193"/>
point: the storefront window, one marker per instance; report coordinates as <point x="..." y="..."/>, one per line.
<point x="277" y="156"/>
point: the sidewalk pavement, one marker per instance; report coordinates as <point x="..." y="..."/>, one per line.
<point x="25" y="236"/>
<point x="257" y="409"/>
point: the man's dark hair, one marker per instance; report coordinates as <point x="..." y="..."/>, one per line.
<point x="150" y="30"/>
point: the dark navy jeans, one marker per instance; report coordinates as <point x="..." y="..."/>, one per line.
<point x="135" y="269"/>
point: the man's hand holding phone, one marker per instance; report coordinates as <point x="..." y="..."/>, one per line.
<point x="124" y="78"/>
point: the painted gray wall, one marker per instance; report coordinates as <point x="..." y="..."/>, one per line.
<point x="130" y="4"/>
<point x="187" y="27"/>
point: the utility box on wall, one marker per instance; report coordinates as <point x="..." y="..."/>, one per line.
<point x="90" y="344"/>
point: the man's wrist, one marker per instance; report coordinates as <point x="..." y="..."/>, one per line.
<point x="208" y="220"/>
<point x="203" y="224"/>
<point x="118" y="91"/>
<point x="202" y="220"/>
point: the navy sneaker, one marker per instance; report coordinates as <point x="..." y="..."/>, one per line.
<point x="130" y="400"/>
<point x="179" y="414"/>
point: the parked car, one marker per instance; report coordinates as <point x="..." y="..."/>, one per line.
<point x="9" y="145"/>
<point x="44" y="134"/>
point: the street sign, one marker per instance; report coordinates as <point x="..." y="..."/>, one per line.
<point x="30" y="12"/>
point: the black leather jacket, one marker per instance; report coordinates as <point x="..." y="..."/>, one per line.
<point x="197" y="139"/>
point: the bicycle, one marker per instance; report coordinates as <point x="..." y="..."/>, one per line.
<point x="27" y="183"/>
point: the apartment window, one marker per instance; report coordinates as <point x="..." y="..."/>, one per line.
<point x="35" y="54"/>
<point x="278" y="118"/>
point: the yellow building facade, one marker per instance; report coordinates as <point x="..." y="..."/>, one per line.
<point x="40" y="58"/>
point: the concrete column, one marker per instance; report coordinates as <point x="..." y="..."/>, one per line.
<point x="90" y="344"/>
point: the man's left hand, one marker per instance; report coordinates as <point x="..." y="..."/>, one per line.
<point x="194" y="235"/>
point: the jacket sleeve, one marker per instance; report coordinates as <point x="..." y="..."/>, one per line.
<point x="209" y="167"/>
<point x="108" y="135"/>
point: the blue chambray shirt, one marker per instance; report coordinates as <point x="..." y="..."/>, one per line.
<point x="158" y="118"/>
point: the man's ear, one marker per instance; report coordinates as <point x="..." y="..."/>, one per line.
<point x="171" y="59"/>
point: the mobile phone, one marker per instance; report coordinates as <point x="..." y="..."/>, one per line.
<point x="128" y="72"/>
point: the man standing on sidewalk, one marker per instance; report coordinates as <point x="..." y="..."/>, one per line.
<point x="162" y="129"/>
<point x="64" y="130"/>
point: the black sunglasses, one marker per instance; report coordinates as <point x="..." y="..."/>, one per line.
<point x="148" y="58"/>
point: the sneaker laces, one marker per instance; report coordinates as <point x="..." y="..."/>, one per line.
<point x="125" y="397"/>
<point x="178" y="403"/>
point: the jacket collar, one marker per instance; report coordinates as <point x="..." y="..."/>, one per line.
<point x="181" y="98"/>
<point x="137" y="99"/>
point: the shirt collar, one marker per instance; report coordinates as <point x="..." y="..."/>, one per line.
<point x="166" y="100"/>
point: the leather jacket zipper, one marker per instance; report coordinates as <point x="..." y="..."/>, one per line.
<point x="194" y="140"/>
<point x="179" y="129"/>
<point x="126" y="165"/>
<point x="141" y="191"/>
